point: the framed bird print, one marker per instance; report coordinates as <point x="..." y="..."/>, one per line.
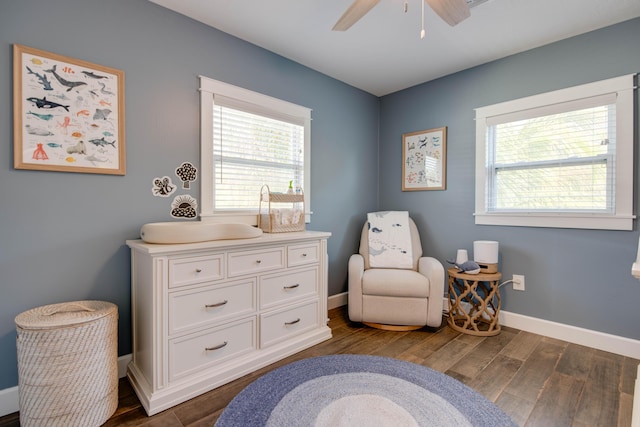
<point x="68" y="114"/>
<point x="424" y="160"/>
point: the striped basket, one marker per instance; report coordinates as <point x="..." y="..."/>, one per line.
<point x="67" y="364"/>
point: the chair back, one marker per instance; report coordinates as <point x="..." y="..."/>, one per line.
<point x="416" y="245"/>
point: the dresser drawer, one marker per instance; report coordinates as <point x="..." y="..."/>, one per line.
<point x="279" y="288"/>
<point x="195" y="352"/>
<point x="241" y="263"/>
<point x="199" y="307"/>
<point x="280" y="325"/>
<point x="187" y="271"/>
<point x="303" y="254"/>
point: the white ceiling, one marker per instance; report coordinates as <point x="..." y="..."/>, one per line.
<point x="383" y="52"/>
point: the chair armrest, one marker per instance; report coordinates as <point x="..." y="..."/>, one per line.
<point x="356" y="271"/>
<point x="433" y="270"/>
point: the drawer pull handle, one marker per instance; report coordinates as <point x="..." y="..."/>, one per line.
<point x="216" y="347"/>
<point x="292" y="286"/>
<point x="198" y="270"/>
<point x="258" y="261"/>
<point x="293" y="322"/>
<point x="218" y="304"/>
<point x="304" y="255"/>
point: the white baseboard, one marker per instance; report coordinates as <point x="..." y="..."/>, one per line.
<point x="337" y="300"/>
<point x="9" y="398"/>
<point x="594" y="339"/>
<point x="8" y="401"/>
<point x="123" y="362"/>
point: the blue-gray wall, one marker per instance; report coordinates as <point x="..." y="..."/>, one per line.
<point x="576" y="277"/>
<point x="62" y="234"/>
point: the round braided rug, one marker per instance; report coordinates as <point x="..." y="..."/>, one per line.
<point x="359" y="390"/>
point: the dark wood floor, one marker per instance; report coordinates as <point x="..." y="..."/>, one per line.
<point x="538" y="381"/>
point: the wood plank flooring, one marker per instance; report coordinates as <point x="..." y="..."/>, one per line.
<point x="538" y="381"/>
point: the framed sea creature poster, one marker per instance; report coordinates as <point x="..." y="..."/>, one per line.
<point x="68" y="114"/>
<point x="424" y="160"/>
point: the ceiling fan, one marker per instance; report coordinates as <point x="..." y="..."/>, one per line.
<point x="451" y="11"/>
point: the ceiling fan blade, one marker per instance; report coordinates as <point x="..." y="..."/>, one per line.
<point x="451" y="11"/>
<point x="357" y="10"/>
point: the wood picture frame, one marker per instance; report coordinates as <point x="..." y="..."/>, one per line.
<point x="68" y="114"/>
<point x="424" y="160"/>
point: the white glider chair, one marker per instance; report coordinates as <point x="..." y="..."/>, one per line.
<point x="400" y="299"/>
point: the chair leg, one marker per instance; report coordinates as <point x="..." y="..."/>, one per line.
<point x="397" y="328"/>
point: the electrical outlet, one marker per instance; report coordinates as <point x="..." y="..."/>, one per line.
<point x="518" y="282"/>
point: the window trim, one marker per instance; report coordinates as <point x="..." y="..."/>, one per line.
<point x="622" y="218"/>
<point x="262" y="104"/>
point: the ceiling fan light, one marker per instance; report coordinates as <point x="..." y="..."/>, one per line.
<point x="422" y="33"/>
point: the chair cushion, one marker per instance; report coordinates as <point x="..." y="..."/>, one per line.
<point x="395" y="283"/>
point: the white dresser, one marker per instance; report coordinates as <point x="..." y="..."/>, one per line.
<point x="204" y="314"/>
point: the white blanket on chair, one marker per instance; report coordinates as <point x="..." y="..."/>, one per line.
<point x="389" y="240"/>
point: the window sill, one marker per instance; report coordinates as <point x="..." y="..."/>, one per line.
<point x="584" y="221"/>
<point x="241" y="218"/>
<point x="238" y="217"/>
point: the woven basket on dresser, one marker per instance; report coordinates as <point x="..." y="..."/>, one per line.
<point x="267" y="220"/>
<point x="68" y="364"/>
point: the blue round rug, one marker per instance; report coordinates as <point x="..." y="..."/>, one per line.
<point x="357" y="390"/>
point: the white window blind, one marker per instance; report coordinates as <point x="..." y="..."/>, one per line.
<point x="251" y="150"/>
<point x="248" y="139"/>
<point x="562" y="159"/>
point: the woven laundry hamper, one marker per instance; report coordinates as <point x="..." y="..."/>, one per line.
<point x="68" y="364"/>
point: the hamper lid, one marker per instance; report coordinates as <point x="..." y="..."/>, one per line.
<point x="64" y="314"/>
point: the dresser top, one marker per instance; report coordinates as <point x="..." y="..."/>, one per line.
<point x="264" y="239"/>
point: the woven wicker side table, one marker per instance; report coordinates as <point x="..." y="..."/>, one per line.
<point x="474" y="302"/>
<point x="68" y="364"/>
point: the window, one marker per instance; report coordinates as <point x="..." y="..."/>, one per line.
<point x="559" y="159"/>
<point x="247" y="140"/>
